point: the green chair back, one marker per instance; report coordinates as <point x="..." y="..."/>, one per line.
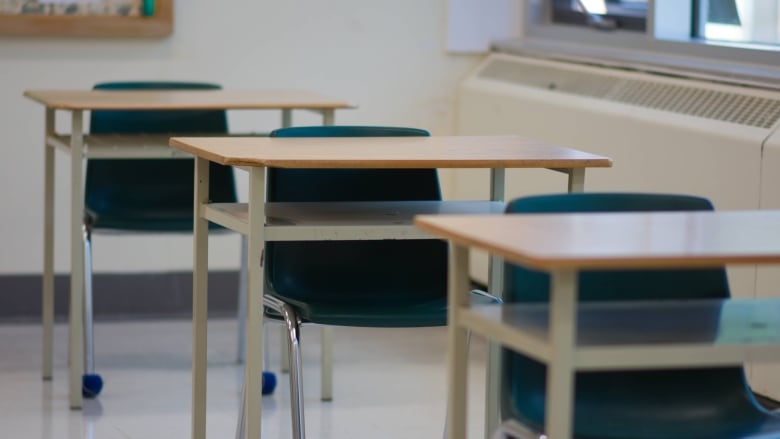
<point x="358" y="283"/>
<point x="151" y="194"/>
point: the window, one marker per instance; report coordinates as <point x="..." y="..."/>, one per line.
<point x="724" y="21"/>
<point x="602" y="14"/>
<point x="733" y="40"/>
<point x="739" y="21"/>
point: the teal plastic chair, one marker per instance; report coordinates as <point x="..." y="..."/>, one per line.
<point x="711" y="403"/>
<point x="390" y="283"/>
<point x="144" y="195"/>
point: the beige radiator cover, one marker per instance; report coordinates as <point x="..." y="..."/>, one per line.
<point x="734" y="165"/>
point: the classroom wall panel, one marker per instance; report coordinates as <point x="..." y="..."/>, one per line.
<point x="388" y="56"/>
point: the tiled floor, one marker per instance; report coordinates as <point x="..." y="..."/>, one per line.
<point x="389" y="383"/>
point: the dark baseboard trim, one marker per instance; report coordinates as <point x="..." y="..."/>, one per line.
<point x="120" y="296"/>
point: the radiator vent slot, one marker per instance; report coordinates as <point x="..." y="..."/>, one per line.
<point x="743" y="109"/>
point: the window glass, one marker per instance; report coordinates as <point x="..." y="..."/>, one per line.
<point x="734" y="40"/>
<point x="604" y="14"/>
<point x="739" y="21"/>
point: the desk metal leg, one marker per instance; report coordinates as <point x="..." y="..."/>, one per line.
<point x="242" y="283"/>
<point x="493" y="379"/>
<point x="496" y="288"/>
<point x="560" y="370"/>
<point x="457" y="354"/>
<point x="326" y="336"/>
<point x="253" y="372"/>
<point x="284" y="357"/>
<point x="48" y="247"/>
<point x="200" y="300"/>
<point x="328" y="117"/>
<point x="326" y="364"/>
<point x="76" y="341"/>
<point x="286" y="117"/>
<point x="577" y="180"/>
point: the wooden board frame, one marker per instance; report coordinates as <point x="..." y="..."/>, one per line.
<point x="156" y="26"/>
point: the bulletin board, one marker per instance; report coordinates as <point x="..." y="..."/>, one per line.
<point x="98" y="18"/>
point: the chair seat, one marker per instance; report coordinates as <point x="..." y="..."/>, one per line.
<point x="372" y="315"/>
<point x="408" y="315"/>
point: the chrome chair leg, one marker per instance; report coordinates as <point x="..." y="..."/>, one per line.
<point x="296" y="377"/>
<point x="89" y="345"/>
<point x="91" y="383"/>
<point x="293" y="327"/>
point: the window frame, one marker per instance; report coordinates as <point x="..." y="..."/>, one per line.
<point x="677" y="54"/>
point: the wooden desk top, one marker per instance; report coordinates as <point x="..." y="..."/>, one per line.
<point x="184" y="99"/>
<point x="388" y="152"/>
<point x="617" y="240"/>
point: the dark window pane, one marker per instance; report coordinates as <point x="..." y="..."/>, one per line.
<point x="723" y="11"/>
<point x="738" y="21"/>
<point x="605" y="14"/>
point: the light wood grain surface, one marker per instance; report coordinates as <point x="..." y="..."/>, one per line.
<point x="388" y="152"/>
<point x="618" y="240"/>
<point x="184" y="99"/>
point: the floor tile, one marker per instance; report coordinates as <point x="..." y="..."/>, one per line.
<point x="388" y="383"/>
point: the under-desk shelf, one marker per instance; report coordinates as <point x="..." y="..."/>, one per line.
<point x="130" y="146"/>
<point x="343" y="221"/>
<point x="120" y="146"/>
<point x="626" y="335"/>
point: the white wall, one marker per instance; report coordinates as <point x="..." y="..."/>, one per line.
<point x="385" y="55"/>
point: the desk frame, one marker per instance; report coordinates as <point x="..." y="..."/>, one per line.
<point x="75" y="143"/>
<point x="557" y="343"/>
<point x="259" y="229"/>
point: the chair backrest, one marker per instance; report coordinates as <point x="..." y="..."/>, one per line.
<point x="352" y="184"/>
<point x="355" y="271"/>
<point x="610" y="404"/>
<point x="531" y="286"/>
<point x="151" y="194"/>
